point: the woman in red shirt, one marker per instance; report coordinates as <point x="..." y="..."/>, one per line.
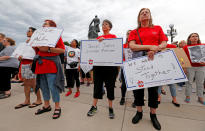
<point x="150" y="39"/>
<point x="123" y="86"/>
<point x="47" y="74"/>
<point x="29" y="78"/>
<point x="197" y="71"/>
<point x="104" y="74"/>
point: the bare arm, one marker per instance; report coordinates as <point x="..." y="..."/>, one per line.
<point x="163" y="45"/>
<point x="57" y="50"/>
<point x="4" y="58"/>
<point x="53" y="50"/>
<point x="135" y="47"/>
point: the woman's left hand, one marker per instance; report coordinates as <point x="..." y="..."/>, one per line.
<point x="150" y="55"/>
<point x="202" y="63"/>
<point x="43" y="48"/>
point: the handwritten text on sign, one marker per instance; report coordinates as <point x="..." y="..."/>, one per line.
<point x="105" y="53"/>
<point x="143" y="73"/>
<point x="46" y="36"/>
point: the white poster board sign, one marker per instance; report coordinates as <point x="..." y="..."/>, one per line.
<point x="143" y="73"/>
<point x="197" y="53"/>
<point x="24" y="50"/>
<point x="109" y="52"/>
<point x="45" y="36"/>
<point x="86" y="68"/>
<point x="128" y="54"/>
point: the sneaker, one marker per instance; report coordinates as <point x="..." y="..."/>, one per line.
<point x="77" y="94"/>
<point x="122" y="101"/>
<point x="193" y="90"/>
<point x="68" y="93"/>
<point x="92" y="111"/>
<point x="111" y="113"/>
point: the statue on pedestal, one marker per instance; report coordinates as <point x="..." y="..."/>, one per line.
<point x="94" y="28"/>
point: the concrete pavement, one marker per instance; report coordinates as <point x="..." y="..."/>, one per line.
<point x="189" y="117"/>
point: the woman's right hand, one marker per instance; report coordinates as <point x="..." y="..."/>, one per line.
<point x="154" y="48"/>
<point x="101" y="39"/>
<point x="20" y="57"/>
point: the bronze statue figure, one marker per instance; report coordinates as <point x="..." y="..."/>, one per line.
<point x="94" y="29"/>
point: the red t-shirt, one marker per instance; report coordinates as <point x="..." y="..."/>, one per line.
<point x="187" y="53"/>
<point x="109" y="36"/>
<point x="149" y="35"/>
<point x="48" y="66"/>
<point x="124" y="46"/>
<point x="26" y="61"/>
<point x="171" y="46"/>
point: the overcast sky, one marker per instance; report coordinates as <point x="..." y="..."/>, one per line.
<point x="75" y="16"/>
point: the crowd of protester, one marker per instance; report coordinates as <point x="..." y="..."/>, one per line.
<point x="47" y="70"/>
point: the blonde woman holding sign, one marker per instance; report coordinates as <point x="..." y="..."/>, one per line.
<point x="147" y="39"/>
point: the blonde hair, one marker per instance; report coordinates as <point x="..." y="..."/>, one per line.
<point x="138" y="18"/>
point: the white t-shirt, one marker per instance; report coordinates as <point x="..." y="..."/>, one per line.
<point x="73" y="55"/>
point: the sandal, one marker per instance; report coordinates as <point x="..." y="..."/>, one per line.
<point x="57" y="113"/>
<point x="20" y="106"/>
<point x="3" y="96"/>
<point x="43" y="110"/>
<point x="175" y="104"/>
<point x="34" y="105"/>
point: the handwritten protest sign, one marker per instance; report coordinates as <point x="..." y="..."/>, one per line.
<point x="24" y="50"/>
<point x="143" y="73"/>
<point x="105" y="53"/>
<point x="197" y="53"/>
<point x="46" y="36"/>
<point x="128" y="54"/>
<point x="86" y="68"/>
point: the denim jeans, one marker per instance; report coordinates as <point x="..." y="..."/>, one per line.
<point x="47" y="85"/>
<point x="172" y="89"/>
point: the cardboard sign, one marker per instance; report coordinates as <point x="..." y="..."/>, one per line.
<point x="109" y="52"/>
<point x="24" y="50"/>
<point x="86" y="68"/>
<point x="182" y="57"/>
<point x="45" y="36"/>
<point x="143" y="73"/>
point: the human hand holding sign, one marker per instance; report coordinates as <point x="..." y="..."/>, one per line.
<point x="43" y="48"/>
<point x="101" y="39"/>
<point x="150" y="55"/>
